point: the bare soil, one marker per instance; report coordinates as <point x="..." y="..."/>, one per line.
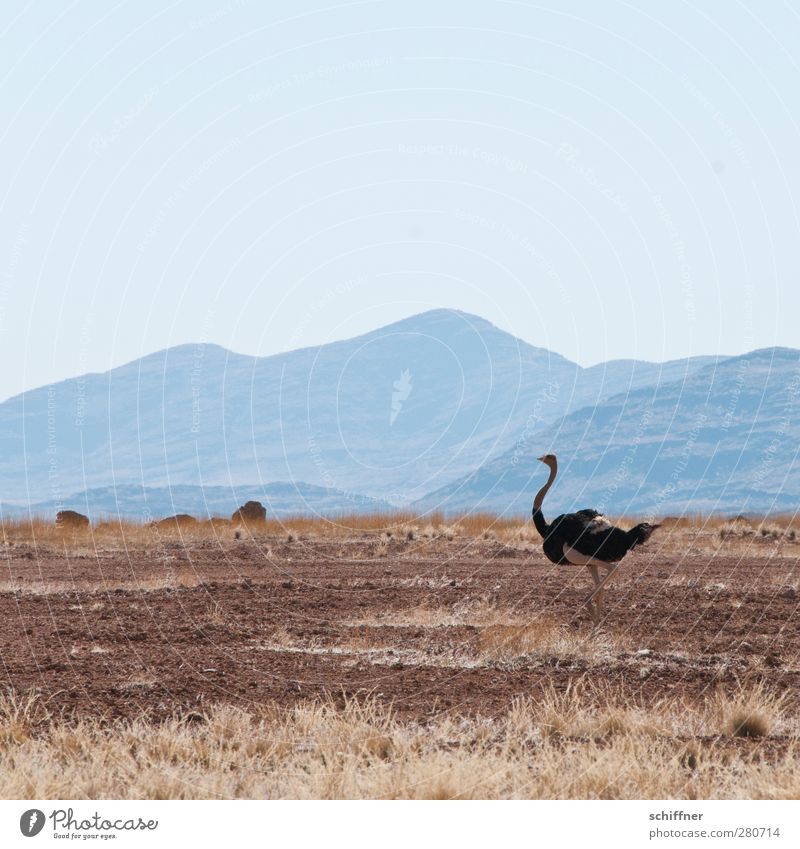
<point x="169" y="626"/>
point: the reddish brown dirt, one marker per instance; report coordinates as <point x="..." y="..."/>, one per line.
<point x="267" y="620"/>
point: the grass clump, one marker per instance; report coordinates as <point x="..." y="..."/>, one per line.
<point x="749" y="711"/>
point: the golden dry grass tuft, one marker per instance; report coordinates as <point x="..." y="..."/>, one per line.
<point x="20" y="716"/>
<point x="749" y="712"/>
<point x="545" y="640"/>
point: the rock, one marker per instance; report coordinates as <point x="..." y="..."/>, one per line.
<point x="180" y="520"/>
<point x="252" y="511"/>
<point x="71" y="519"/>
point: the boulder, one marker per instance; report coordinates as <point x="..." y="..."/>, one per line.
<point x="181" y="520"/>
<point x="252" y="511"/>
<point x="71" y="519"/>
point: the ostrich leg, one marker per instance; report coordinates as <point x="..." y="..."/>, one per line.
<point x="594" y="606"/>
<point x="599" y="585"/>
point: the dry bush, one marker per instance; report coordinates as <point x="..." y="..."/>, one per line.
<point x="780" y="528"/>
<point x="591" y="708"/>
<point x="771" y="530"/>
<point x="546" y="641"/>
<point x="522" y="533"/>
<point x="748" y="711"/>
<point x="738" y="527"/>
<point x="592" y="711"/>
<point x="470" y="611"/>
<point x="20" y="716"/>
<point x="478" y="524"/>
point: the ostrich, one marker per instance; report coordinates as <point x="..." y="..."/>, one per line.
<point x="586" y="539"/>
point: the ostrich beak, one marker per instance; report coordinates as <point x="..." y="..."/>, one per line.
<point x="541" y="459"/>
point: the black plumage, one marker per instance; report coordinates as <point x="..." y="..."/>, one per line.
<point x="589" y="533"/>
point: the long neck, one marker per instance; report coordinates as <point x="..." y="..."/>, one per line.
<point x="538" y="518"/>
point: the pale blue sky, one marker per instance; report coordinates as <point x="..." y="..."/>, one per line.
<point x="603" y="179"/>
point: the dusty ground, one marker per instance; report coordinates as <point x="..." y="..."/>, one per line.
<point x="112" y="624"/>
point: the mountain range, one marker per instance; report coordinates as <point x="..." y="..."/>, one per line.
<point x="442" y="410"/>
<point x="724" y="439"/>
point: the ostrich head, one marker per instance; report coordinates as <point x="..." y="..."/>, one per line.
<point x="548" y="459"/>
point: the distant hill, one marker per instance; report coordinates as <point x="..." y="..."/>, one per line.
<point x="725" y="439"/>
<point x="393" y="414"/>
<point x="148" y="503"/>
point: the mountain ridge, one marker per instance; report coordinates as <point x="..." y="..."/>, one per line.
<point x="395" y="325"/>
<point x="697" y="405"/>
<point x="404" y="413"/>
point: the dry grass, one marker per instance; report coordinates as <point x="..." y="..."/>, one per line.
<point x="393" y="526"/>
<point x="545" y="641"/>
<point x="171" y="579"/>
<point x="749" y="712"/>
<point x="496" y="638"/>
<point x="586" y="743"/>
<point x="709" y="534"/>
<point x="470" y="611"/>
<point x="506" y="636"/>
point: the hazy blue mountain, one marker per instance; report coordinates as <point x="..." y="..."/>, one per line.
<point x="627" y="375"/>
<point x="393" y="413"/>
<point x="725" y="438"/>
